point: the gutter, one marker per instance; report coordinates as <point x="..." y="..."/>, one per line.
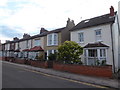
<point x="112" y="48"/>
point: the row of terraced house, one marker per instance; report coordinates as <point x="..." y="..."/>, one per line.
<point x="99" y="37"/>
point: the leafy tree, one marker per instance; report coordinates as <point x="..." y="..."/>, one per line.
<point x="69" y="52"/>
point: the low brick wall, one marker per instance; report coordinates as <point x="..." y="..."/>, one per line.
<point x="100" y="71"/>
<point x="3" y="58"/>
<point x="20" y="61"/>
<point x="6" y="58"/>
<point x="41" y="64"/>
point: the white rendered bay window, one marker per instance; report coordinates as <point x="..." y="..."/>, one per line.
<point x="52" y="39"/>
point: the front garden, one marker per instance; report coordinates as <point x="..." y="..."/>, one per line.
<point x="68" y="59"/>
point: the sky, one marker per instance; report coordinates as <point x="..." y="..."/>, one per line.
<point x="29" y="16"/>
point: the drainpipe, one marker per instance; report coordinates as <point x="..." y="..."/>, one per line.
<point x="112" y="48"/>
<point x="118" y="24"/>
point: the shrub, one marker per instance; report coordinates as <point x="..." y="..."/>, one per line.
<point x="69" y="52"/>
<point x="40" y="57"/>
<point x="103" y="62"/>
<point x="52" y="57"/>
<point x="97" y="62"/>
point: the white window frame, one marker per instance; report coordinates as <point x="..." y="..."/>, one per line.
<point x="53" y="39"/>
<point x="81" y="40"/>
<point x="102" y="53"/>
<point x="98" y="37"/>
<point x="92" y="53"/>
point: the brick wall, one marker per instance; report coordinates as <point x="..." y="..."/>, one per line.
<point x="2" y="58"/>
<point x="21" y="61"/>
<point x="101" y="71"/>
<point x="41" y="64"/>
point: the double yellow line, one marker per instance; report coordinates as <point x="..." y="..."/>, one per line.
<point x="48" y="75"/>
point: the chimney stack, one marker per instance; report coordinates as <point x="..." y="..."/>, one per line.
<point x="70" y="23"/>
<point x="43" y="30"/>
<point x="6" y="41"/>
<point x="112" y="13"/>
<point x="26" y="36"/>
<point x="15" y="38"/>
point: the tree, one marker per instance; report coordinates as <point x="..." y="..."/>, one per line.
<point x="69" y="52"/>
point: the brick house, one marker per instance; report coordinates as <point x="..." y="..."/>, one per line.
<point x="56" y="37"/>
<point x="44" y="43"/>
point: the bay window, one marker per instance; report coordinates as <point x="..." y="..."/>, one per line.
<point x="52" y="39"/>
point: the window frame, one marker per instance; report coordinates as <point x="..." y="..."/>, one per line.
<point x="36" y="42"/>
<point x="52" y="40"/>
<point x="99" y="36"/>
<point x="102" y="53"/>
<point x="92" y="53"/>
<point x="81" y="40"/>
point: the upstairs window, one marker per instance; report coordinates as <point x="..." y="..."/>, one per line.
<point x="49" y="39"/>
<point x="81" y="37"/>
<point x="36" y="42"/>
<point x="52" y="39"/>
<point x="98" y="35"/>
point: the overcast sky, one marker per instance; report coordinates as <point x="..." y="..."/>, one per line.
<point x="28" y="16"/>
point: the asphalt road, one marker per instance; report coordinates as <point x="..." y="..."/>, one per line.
<point x="18" y="77"/>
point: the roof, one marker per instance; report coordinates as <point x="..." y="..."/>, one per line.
<point x="94" y="21"/>
<point x="56" y="30"/>
<point x="98" y="44"/>
<point x="26" y="50"/>
<point x="17" y="50"/>
<point x="36" y="48"/>
<point x="38" y="35"/>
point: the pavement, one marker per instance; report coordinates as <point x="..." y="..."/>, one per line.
<point x="112" y="83"/>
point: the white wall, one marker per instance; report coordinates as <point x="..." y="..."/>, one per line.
<point x="16" y="45"/>
<point x="7" y="46"/>
<point x="29" y="44"/>
<point x="119" y="12"/>
<point x="119" y="34"/>
<point x="115" y="42"/>
<point x="89" y="37"/>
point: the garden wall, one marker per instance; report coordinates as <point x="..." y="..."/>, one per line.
<point x="2" y="58"/>
<point x="101" y="71"/>
<point x="20" y="61"/>
<point x="39" y="64"/>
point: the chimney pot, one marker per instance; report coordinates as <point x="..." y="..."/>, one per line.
<point x="112" y="13"/>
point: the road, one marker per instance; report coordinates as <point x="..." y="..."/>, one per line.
<point x="18" y="77"/>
